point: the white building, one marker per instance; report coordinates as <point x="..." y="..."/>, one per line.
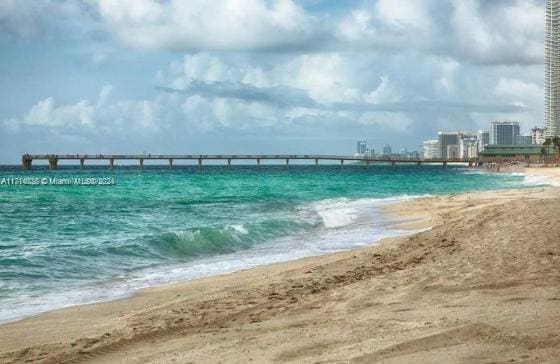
<point x="468" y="145"/>
<point x="430" y="149"/>
<point x="538" y="135"/>
<point x="453" y="152"/>
<point x="361" y="147"/>
<point x="552" y="67"/>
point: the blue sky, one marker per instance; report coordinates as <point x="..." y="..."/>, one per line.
<point x="262" y="76"/>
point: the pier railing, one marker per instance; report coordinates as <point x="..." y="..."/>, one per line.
<point x="27" y="159"/>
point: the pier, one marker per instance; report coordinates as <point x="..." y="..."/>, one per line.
<point x="53" y="159"/>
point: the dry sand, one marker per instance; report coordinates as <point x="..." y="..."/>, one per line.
<point x="483" y="285"/>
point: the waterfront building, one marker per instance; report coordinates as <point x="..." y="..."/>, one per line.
<point x="552" y="67"/>
<point x="529" y="153"/>
<point x="430" y="149"/>
<point x="445" y="140"/>
<point x="453" y="152"/>
<point x="468" y="145"/>
<point x="538" y="135"/>
<point x="524" y="139"/>
<point x="503" y="132"/>
<point x="387" y="150"/>
<point x="483" y="139"/>
<point x="361" y="148"/>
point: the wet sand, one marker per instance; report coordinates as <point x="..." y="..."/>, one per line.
<point x="483" y="285"/>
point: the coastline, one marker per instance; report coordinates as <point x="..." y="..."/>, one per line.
<point x="429" y="296"/>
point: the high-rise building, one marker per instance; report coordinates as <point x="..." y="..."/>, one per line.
<point x="468" y="144"/>
<point x="538" y="135"/>
<point x="430" y="149"/>
<point x="483" y="139"/>
<point x="503" y="132"/>
<point x="361" y="147"/>
<point x="524" y="139"/>
<point x="552" y="67"/>
<point x="445" y="140"/>
<point x="387" y="150"/>
<point x="453" y="152"/>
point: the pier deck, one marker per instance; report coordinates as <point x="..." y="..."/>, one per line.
<point x="53" y="159"/>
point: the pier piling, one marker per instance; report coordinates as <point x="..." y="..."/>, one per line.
<point x="53" y="163"/>
<point x="26" y="163"/>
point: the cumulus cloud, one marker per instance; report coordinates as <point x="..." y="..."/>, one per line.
<point x="210" y="25"/>
<point x="47" y="113"/>
<point x="487" y="32"/>
<point x="29" y="19"/>
<point x="498" y="32"/>
<point x="84" y="117"/>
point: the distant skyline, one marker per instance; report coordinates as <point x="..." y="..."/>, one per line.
<point x="262" y="76"/>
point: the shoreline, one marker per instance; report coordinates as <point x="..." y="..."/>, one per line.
<point x="303" y="295"/>
<point x="395" y="225"/>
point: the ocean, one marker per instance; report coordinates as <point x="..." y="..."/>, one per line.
<point x="63" y="245"/>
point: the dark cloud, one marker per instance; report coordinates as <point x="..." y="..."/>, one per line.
<point x="289" y="97"/>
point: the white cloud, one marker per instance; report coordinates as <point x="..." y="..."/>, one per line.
<point x="411" y="16"/>
<point x="517" y="91"/>
<point x="84" y="117"/>
<point x="509" y="32"/>
<point x="323" y="76"/>
<point x="385" y="93"/>
<point x="201" y="24"/>
<point x="47" y="113"/>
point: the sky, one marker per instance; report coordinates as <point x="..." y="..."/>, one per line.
<point x="262" y="76"/>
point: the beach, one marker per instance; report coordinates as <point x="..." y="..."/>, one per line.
<point x="479" y="284"/>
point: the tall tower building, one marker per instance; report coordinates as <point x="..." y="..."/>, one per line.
<point x="361" y="147"/>
<point x="503" y="132"/>
<point x="552" y="67"/>
<point x="445" y="141"/>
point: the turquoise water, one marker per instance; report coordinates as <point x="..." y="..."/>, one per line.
<point x="69" y="244"/>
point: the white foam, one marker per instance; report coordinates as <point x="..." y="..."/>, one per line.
<point x="349" y="224"/>
<point x="239" y="228"/>
<point x="538" y="180"/>
<point x="340" y="212"/>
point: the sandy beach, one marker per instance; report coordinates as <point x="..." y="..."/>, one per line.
<point x="482" y="285"/>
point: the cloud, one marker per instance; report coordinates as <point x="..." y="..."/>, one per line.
<point x="30" y="19"/>
<point x="210" y="25"/>
<point x="479" y="31"/>
<point x="498" y="32"/>
<point x="47" y="113"/>
<point x="83" y="117"/>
